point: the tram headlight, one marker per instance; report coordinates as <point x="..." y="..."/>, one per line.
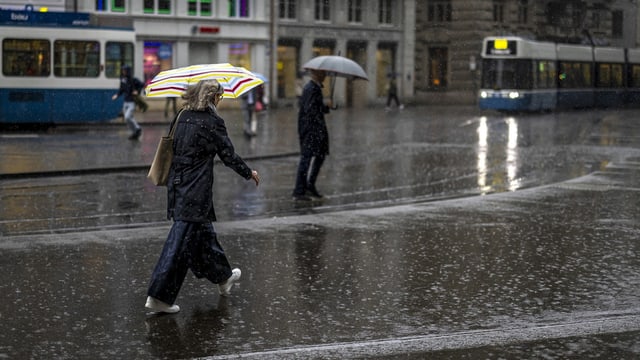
<point x="483" y="94"/>
<point x="514" y="95"/>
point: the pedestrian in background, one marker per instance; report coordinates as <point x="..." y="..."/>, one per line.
<point x="313" y="136"/>
<point x="248" y="107"/>
<point x="192" y="243"/>
<point x="259" y="108"/>
<point x="170" y="101"/>
<point x="252" y="103"/>
<point x="392" y="94"/>
<point x="130" y="87"/>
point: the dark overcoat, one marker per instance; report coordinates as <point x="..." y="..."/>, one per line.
<point x="198" y="138"/>
<point x="312" y="128"/>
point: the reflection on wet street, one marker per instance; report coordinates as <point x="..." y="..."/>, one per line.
<point x="376" y="159"/>
<point x="379" y="269"/>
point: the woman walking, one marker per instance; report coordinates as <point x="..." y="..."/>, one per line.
<point x="192" y="242"/>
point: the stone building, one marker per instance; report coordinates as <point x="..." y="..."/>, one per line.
<point x="449" y="36"/>
<point x="376" y="34"/>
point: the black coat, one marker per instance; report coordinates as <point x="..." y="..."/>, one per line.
<point x="312" y="129"/>
<point x="198" y="138"/>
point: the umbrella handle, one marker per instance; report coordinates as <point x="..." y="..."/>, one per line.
<point x="333" y="86"/>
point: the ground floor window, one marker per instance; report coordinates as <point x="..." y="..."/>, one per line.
<point x="240" y="55"/>
<point x="290" y="78"/>
<point x="385" y="69"/>
<point x="158" y="56"/>
<point x="438" y="67"/>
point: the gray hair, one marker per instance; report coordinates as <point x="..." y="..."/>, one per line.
<point x="199" y="97"/>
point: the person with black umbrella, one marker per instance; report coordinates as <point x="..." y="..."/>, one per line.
<point x="313" y="136"/>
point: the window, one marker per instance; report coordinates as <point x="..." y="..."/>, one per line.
<point x="507" y="74"/>
<point x="73" y="58"/>
<point x="355" y="11"/>
<point x="498" y="11"/>
<point x="240" y="54"/>
<point x="26" y="57"/>
<point x="574" y="75"/>
<point x="439" y="11"/>
<point x="385" y="12"/>
<point x="438" y="59"/>
<point x="117" y="54"/>
<point x="523" y="12"/>
<point x="239" y="8"/>
<point x="617" y="21"/>
<point x="199" y="7"/>
<point x="110" y="5"/>
<point x="157" y="7"/>
<point x="545" y="74"/>
<point x="322" y="10"/>
<point x="634" y="76"/>
<point x="287" y="9"/>
<point x="609" y="76"/>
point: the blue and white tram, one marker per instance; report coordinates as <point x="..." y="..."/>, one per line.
<point x="57" y="68"/>
<point x="564" y="75"/>
<point x="632" y="95"/>
<point x="575" y="76"/>
<point x="518" y="75"/>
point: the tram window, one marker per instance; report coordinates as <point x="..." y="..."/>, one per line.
<point x="616" y="75"/>
<point x="604" y="76"/>
<point x="609" y="75"/>
<point x="574" y="75"/>
<point x="506" y="74"/>
<point x="72" y="58"/>
<point x="26" y="57"/>
<point x="545" y="73"/>
<point x="117" y="54"/>
<point x="634" y="81"/>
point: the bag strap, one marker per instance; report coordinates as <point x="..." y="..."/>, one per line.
<point x="174" y="123"/>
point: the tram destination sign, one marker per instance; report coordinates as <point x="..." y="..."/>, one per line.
<point x="502" y="47"/>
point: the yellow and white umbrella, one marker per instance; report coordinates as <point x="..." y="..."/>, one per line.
<point x="173" y="83"/>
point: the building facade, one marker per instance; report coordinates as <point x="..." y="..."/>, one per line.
<point x="376" y="34"/>
<point x="274" y="38"/>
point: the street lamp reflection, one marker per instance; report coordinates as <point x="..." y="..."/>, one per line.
<point x="507" y="179"/>
<point x="483" y="133"/>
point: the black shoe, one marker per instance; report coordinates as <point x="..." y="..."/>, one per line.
<point x="136" y="135"/>
<point x="314" y="193"/>
<point x="301" y="198"/>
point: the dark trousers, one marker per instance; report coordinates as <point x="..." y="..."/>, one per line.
<point x="393" y="97"/>
<point x="170" y="101"/>
<point x="308" y="170"/>
<point x="192" y="246"/>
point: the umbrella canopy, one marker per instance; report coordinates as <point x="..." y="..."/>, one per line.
<point x="173" y="83"/>
<point x="339" y="65"/>
<point x="261" y="76"/>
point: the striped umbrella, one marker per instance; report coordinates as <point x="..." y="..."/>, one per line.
<point x="173" y="83"/>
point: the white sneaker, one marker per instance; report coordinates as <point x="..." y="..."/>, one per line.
<point x="158" y="306"/>
<point x="225" y="287"/>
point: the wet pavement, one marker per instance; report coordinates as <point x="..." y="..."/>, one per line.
<point x="446" y="233"/>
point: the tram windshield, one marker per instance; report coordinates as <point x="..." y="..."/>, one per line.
<point x="506" y="74"/>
